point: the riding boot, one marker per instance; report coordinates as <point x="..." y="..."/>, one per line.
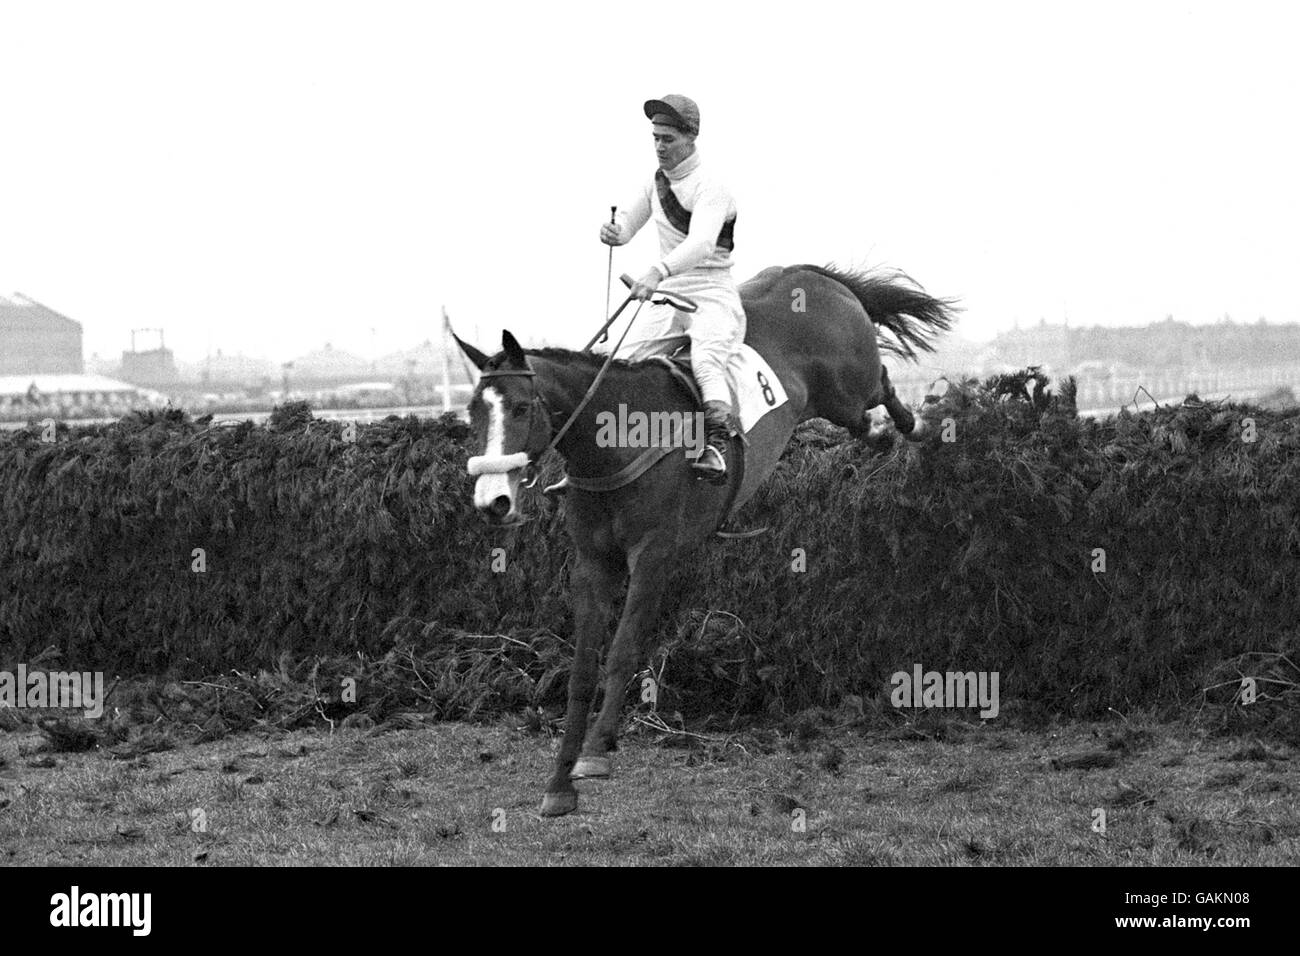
<point x="711" y="466"/>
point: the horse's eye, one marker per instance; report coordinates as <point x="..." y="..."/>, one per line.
<point x="520" y="411"/>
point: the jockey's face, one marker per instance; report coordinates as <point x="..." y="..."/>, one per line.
<point x="672" y="145"/>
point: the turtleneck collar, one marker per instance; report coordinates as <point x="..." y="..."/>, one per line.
<point x="685" y="167"/>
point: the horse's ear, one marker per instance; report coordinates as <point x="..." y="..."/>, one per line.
<point x="514" y="352"/>
<point x="475" y="356"/>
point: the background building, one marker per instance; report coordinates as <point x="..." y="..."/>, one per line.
<point x="1046" y="345"/>
<point x="155" y="368"/>
<point x="36" y="339"/>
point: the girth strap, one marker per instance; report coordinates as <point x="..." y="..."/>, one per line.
<point x="624" y="476"/>
<point x="652" y="456"/>
<point x="631" y="472"/>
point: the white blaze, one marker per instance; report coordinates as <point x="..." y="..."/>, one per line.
<point x="489" y="487"/>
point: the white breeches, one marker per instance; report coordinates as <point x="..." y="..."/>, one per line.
<point x="716" y="331"/>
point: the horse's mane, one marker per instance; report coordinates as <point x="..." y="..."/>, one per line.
<point x="593" y="359"/>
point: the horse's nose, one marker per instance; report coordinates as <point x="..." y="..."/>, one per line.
<point x="500" y="506"/>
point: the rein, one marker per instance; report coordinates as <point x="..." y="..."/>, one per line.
<point x="499" y="464"/>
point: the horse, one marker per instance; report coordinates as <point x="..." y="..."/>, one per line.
<point x="818" y="328"/>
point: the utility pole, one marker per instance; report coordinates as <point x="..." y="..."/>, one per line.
<point x="409" y="381"/>
<point x="446" y="362"/>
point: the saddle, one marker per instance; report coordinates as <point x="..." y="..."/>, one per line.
<point x="679" y="366"/>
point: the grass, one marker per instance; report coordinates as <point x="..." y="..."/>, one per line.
<point x="980" y="795"/>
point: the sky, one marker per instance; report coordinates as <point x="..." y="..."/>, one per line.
<point x="267" y="177"/>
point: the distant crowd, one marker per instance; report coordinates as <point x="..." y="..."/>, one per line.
<point x="64" y="406"/>
<point x="22" y="408"/>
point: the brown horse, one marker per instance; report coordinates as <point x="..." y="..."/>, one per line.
<point x="813" y="326"/>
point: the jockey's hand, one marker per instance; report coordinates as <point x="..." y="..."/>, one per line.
<point x="610" y="234"/>
<point x="645" y="286"/>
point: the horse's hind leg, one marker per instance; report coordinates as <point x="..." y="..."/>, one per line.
<point x="911" y="427"/>
<point x="592" y="585"/>
<point x="651" y="571"/>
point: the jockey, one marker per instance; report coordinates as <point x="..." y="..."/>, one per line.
<point x="695" y="216"/>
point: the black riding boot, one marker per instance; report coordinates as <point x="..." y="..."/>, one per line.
<point x="711" y="466"/>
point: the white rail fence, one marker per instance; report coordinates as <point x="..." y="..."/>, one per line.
<point x="1108" y="393"/>
<point x="1096" y="395"/>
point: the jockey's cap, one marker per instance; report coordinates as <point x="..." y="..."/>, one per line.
<point x="674" y="110"/>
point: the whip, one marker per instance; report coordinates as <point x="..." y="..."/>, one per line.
<point x="609" y="275"/>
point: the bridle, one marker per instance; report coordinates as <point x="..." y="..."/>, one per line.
<point x="500" y="464"/>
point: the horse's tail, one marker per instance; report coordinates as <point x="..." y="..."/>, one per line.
<point x="895" y="301"/>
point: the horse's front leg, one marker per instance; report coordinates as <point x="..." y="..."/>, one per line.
<point x="652" y="567"/>
<point x="592" y="587"/>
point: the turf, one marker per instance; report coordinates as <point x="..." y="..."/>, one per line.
<point x="947" y="793"/>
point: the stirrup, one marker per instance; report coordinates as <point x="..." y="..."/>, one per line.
<point x="561" y="487"/>
<point x="713" y="474"/>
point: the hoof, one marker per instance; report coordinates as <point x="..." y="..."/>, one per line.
<point x="591" y="768"/>
<point x="918" y="429"/>
<point x="877" y="423"/>
<point x="558" y="804"/>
